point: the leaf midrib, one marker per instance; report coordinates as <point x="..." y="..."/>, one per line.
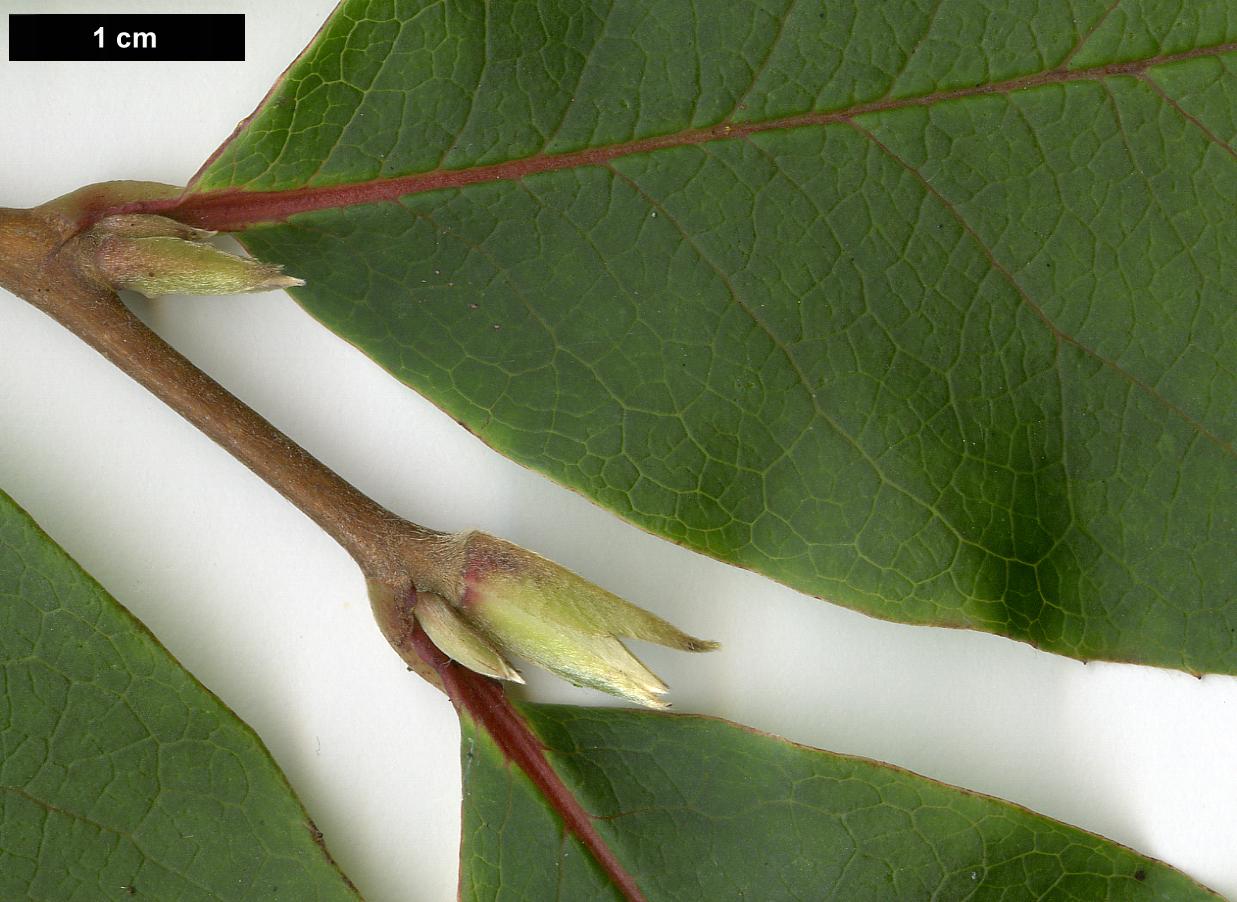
<point x="485" y="702"/>
<point x="234" y="209"/>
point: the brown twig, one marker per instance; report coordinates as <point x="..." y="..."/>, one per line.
<point x="47" y="257"/>
<point x="43" y="265"/>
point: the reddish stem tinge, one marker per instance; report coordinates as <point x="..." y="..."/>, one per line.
<point x="485" y="702"/>
<point x="45" y="258"/>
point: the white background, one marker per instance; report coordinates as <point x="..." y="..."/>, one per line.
<point x="272" y="616"/>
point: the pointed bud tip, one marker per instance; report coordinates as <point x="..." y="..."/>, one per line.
<point x="459" y="641"/>
<point x="694" y="644"/>
<point x="649" y="698"/>
<point x="536" y="609"/>
<point x="280" y="281"/>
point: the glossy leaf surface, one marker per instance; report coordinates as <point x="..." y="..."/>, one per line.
<point x="697" y="808"/>
<point x="926" y="311"/>
<point x="121" y="776"/>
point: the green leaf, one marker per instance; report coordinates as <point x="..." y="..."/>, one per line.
<point x="926" y="312"/>
<point x="120" y="774"/>
<point x="697" y="808"/>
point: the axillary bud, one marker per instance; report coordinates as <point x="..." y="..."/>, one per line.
<point x="155" y="256"/>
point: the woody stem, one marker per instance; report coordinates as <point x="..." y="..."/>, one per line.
<point x="41" y="265"/>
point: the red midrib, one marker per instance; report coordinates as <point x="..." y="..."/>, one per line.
<point x="235" y="209"/>
<point x="486" y="702"/>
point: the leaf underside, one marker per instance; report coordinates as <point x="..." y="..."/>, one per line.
<point x="697" y="808"/>
<point x="924" y="308"/>
<point x="121" y="776"/>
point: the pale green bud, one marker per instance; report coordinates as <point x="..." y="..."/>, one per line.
<point x="148" y="225"/>
<point x="525" y="605"/>
<point x="460" y="641"/>
<point x="154" y="256"/>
